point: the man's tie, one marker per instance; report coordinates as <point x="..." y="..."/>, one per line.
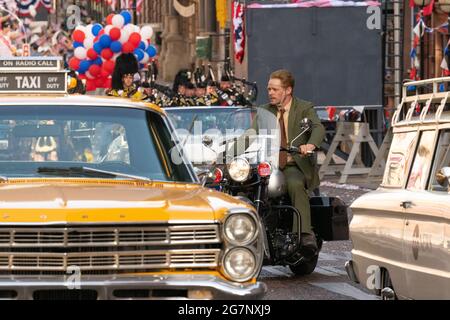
<point x="283" y="154"/>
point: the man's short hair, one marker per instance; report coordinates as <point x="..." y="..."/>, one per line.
<point x="6" y="24"/>
<point x="286" y="78"/>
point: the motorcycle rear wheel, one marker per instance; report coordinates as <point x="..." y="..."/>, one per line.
<point x="305" y="267"/>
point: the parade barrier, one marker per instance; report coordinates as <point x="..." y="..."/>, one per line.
<point x="379" y="164"/>
<point x="353" y="135"/>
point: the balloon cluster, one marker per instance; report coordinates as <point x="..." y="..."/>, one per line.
<point x="96" y="48"/>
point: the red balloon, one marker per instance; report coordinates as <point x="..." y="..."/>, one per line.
<point x="90" y="85"/>
<point x="102" y="32"/>
<point x="115" y="34"/>
<point x="94" y="70"/>
<point x="135" y="39"/>
<point x="74" y="63"/>
<point x="100" y="82"/>
<point x="104" y="73"/>
<point x="109" y="66"/>
<point x="92" y="54"/>
<point x="108" y="83"/>
<point x="128" y="47"/>
<point x="78" y="36"/>
<point x="107" y="54"/>
<point x="109" y="18"/>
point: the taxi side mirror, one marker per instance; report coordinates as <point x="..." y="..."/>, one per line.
<point x="204" y="175"/>
<point x="443" y="177"/>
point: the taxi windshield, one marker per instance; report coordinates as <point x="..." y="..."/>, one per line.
<point x="41" y="141"/>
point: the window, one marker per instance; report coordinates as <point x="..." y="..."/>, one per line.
<point x="442" y="159"/>
<point x="400" y="155"/>
<point x="422" y="161"/>
<point x="123" y="140"/>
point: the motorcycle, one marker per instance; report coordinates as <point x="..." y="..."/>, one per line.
<point x="256" y="183"/>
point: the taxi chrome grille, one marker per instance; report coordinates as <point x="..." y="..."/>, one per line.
<point x="108" y="249"/>
<point x="198" y="258"/>
<point x="119" y="236"/>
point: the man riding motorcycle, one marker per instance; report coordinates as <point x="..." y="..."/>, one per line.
<point x="284" y="113"/>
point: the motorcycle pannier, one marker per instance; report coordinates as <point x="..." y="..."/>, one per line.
<point x="329" y="218"/>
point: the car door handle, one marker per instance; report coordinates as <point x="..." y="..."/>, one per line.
<point x="406" y="204"/>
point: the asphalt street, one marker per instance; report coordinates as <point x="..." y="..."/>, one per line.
<point x="329" y="281"/>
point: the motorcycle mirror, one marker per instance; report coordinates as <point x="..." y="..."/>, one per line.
<point x="305" y="124"/>
<point x="207" y="141"/>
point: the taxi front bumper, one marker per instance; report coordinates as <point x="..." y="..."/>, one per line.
<point x="180" y="286"/>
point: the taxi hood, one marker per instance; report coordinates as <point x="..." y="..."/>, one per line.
<point x="71" y="201"/>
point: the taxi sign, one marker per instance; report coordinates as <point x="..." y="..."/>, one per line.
<point x="32" y="75"/>
<point x="27" y="63"/>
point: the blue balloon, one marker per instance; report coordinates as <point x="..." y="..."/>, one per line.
<point x="84" y="66"/>
<point x="98" y="47"/>
<point x="151" y="50"/>
<point x="126" y="16"/>
<point x="105" y="41"/>
<point x="116" y="46"/>
<point x="97" y="61"/>
<point x="139" y="54"/>
<point x="96" y="29"/>
<point x="77" y="44"/>
<point x="142" y="45"/>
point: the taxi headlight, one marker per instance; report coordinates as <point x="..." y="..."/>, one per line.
<point x="239" y="169"/>
<point x="239" y="229"/>
<point x="239" y="264"/>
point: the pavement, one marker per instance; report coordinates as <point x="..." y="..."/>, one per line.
<point x="329" y="281"/>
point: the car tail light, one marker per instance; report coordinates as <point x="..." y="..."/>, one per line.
<point x="218" y="175"/>
<point x="264" y="169"/>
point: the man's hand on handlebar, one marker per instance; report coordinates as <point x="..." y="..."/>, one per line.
<point x="307" y="149"/>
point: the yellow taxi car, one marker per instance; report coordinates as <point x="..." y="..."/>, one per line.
<point x="401" y="231"/>
<point x="98" y="202"/>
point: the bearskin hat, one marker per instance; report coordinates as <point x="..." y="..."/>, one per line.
<point x="126" y="63"/>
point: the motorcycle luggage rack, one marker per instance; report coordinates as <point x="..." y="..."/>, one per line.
<point x="406" y="112"/>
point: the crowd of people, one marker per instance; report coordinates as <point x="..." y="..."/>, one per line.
<point x="187" y="90"/>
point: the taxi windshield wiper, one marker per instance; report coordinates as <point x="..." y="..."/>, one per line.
<point x="89" y="172"/>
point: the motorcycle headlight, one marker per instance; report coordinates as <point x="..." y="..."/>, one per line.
<point x="239" y="229"/>
<point x="239" y="264"/>
<point x="239" y="169"/>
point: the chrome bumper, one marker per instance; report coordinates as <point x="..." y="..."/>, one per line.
<point x="180" y="286"/>
<point x="351" y="271"/>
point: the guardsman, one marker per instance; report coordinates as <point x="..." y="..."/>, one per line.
<point x="123" y="77"/>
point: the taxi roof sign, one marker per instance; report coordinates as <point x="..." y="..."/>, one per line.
<point x="32" y="75"/>
<point x="27" y="63"/>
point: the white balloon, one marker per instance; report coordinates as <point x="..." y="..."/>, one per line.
<point x="88" y="42"/>
<point x="81" y="28"/>
<point x="124" y="35"/>
<point x="80" y="53"/>
<point x="146" y="32"/>
<point x="146" y="58"/>
<point x="137" y="29"/>
<point x="118" y="21"/>
<point x="89" y="30"/>
<point x="129" y="28"/>
<point x="108" y="29"/>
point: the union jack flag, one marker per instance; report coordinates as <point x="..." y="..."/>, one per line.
<point x="238" y="30"/>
